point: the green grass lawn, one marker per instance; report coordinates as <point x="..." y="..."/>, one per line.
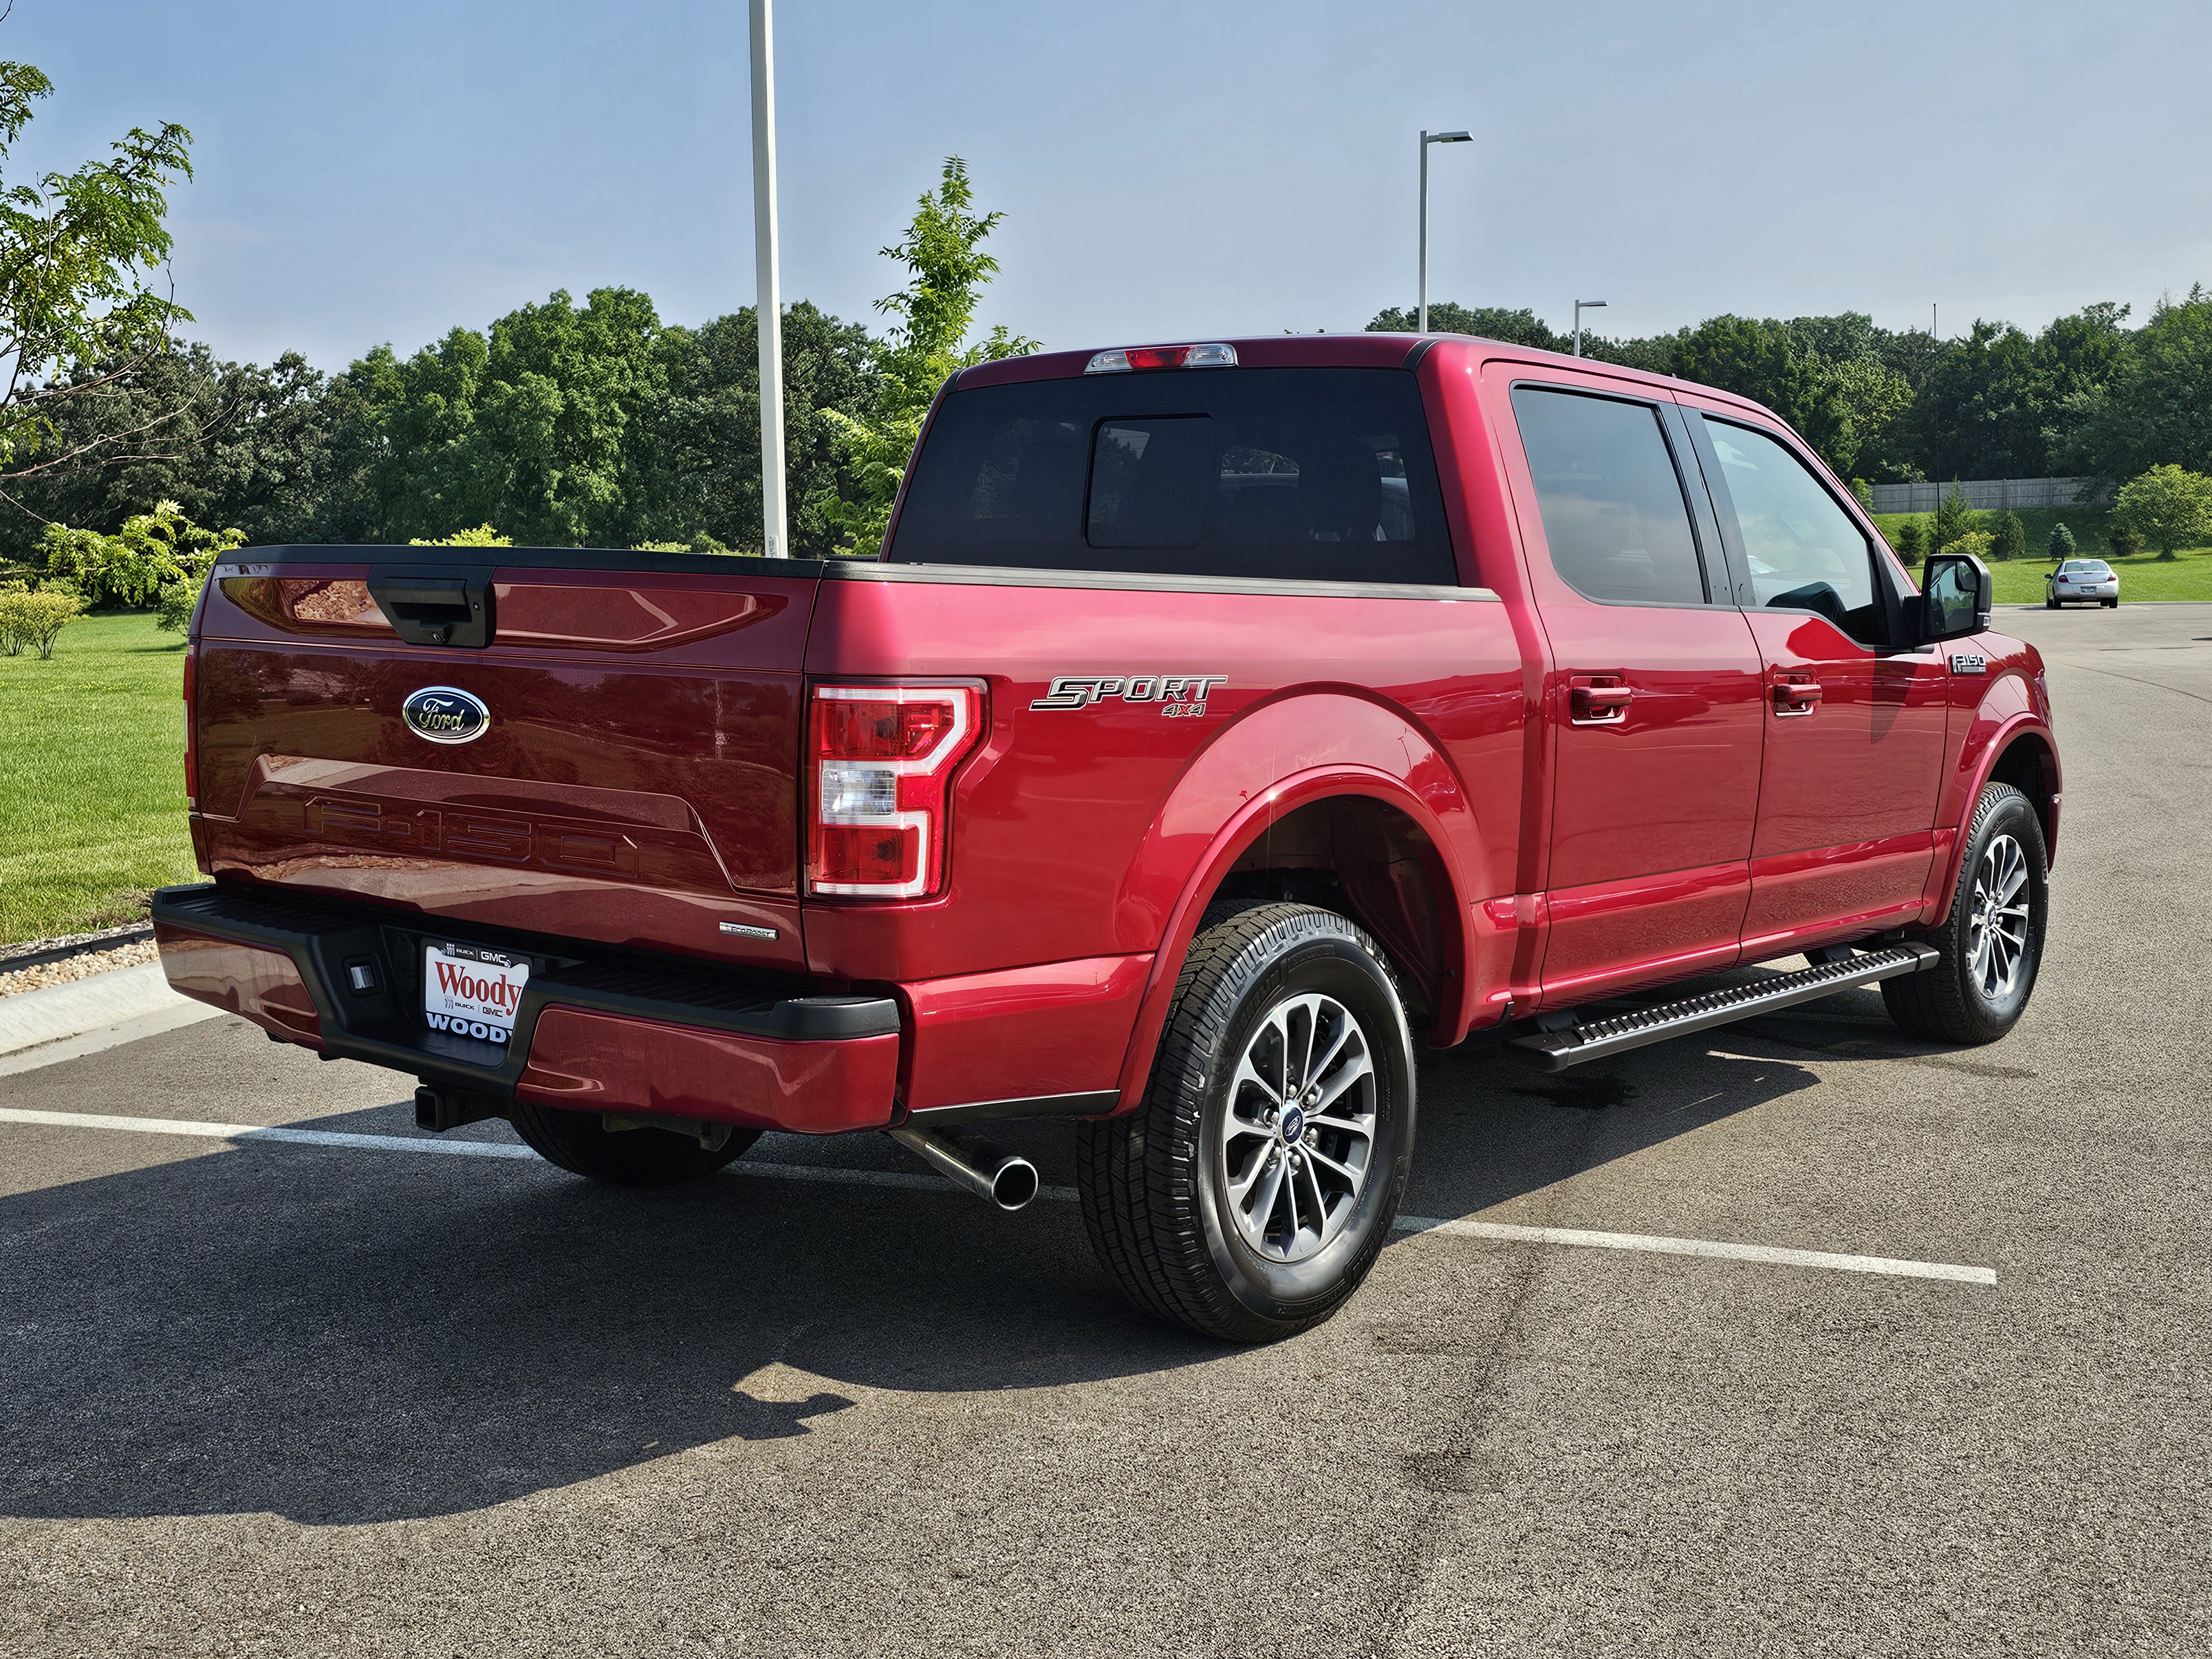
<point x="2187" y="575"/>
<point x="92" y="777"/>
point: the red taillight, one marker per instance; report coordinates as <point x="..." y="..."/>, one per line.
<point x="191" y="741"/>
<point x="1158" y="356"/>
<point x="882" y="756"/>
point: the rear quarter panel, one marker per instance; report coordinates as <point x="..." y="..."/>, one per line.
<point x="1076" y="831"/>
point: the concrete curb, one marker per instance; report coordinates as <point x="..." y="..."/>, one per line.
<point x="124" y="996"/>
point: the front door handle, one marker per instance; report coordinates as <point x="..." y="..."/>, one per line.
<point x="1598" y="700"/>
<point x="1798" y="694"/>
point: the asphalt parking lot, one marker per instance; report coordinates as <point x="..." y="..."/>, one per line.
<point x="286" y="1398"/>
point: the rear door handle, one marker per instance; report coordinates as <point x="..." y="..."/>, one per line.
<point x="1797" y="696"/>
<point x="1598" y="700"/>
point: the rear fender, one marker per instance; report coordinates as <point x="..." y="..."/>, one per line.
<point x="1239" y="787"/>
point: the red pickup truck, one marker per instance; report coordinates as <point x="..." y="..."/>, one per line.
<point x="1218" y="721"/>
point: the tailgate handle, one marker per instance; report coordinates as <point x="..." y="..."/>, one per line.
<point x="435" y="607"/>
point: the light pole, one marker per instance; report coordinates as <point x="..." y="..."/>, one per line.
<point x="1581" y="305"/>
<point x="1428" y="138"/>
<point x="768" y="296"/>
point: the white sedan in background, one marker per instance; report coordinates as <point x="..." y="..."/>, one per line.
<point x="2080" y="582"/>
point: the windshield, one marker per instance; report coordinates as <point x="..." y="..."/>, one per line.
<point x="2088" y="568"/>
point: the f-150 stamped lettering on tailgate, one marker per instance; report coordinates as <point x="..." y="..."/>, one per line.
<point x="1176" y="694"/>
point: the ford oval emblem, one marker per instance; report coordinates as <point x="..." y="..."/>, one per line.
<point x="444" y="713"/>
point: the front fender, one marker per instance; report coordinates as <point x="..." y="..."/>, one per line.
<point x="2013" y="705"/>
<point x="1278" y="758"/>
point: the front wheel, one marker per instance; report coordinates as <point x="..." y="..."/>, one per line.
<point x="1991" y="944"/>
<point x="1251" y="1192"/>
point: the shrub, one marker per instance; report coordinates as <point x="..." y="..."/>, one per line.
<point x="34" y="619"/>
<point x="482" y="536"/>
<point x="1975" y="542"/>
<point x="173" y="607"/>
<point x="2169" y="507"/>
<point x="1864" y="492"/>
<point x="2011" y="539"/>
<point x="2061" y="545"/>
<point x="1912" y="541"/>
<point x="2123" y="542"/>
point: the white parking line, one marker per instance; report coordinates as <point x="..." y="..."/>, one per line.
<point x="1658" y="1246"/>
<point x="1501" y="1232"/>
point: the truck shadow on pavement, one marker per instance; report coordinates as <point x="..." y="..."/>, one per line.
<point x="342" y="1338"/>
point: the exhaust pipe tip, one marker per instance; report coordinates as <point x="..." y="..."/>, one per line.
<point x="965" y="1158"/>
<point x="1015" y="1184"/>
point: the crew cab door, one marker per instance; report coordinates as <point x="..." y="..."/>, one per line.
<point x="1653" y="705"/>
<point x="1855" y="726"/>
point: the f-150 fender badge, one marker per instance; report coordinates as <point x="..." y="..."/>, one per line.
<point x="1177" y="695"/>
<point x="445" y="714"/>
<point x="1969" y="662"/>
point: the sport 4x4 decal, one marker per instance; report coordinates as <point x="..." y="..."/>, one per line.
<point x="1182" y="695"/>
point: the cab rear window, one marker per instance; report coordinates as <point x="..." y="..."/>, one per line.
<point x="1303" y="474"/>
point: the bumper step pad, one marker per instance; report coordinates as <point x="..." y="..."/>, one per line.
<point x="1554" y="1051"/>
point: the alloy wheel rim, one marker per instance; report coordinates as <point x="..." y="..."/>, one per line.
<point x="1298" y="1138"/>
<point x="1997" y="933"/>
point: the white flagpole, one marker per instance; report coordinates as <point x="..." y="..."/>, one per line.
<point x="775" y="531"/>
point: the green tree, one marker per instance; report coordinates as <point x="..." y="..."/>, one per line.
<point x="1953" y="518"/>
<point x="943" y="250"/>
<point x="239" y="443"/>
<point x="2060" y="547"/>
<point x="702" y="440"/>
<point x="2010" y="540"/>
<point x="1523" y="327"/>
<point x="79" y="254"/>
<point x="1911" y="542"/>
<point x="2156" y="407"/>
<point x="2169" y="507"/>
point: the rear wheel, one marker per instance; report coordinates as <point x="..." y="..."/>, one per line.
<point x="1250" y="1194"/>
<point x="581" y="1143"/>
<point x="2111" y="605"/>
<point x="2051" y="602"/>
<point x="1991" y="944"/>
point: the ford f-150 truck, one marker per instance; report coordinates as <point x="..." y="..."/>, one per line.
<point x="1217" y="722"/>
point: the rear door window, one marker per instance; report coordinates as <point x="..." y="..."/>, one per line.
<point x="1298" y="474"/>
<point x="1804" y="551"/>
<point x="1611" y="499"/>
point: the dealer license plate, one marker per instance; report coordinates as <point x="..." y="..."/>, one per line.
<point x="472" y="993"/>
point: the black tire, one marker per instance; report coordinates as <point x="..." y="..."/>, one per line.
<point x="577" y="1142"/>
<point x="1950" y="1002"/>
<point x="2050" y="603"/>
<point x="2110" y="604"/>
<point x="1154" y="1181"/>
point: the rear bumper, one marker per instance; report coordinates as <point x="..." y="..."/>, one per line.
<point x="604" y="1033"/>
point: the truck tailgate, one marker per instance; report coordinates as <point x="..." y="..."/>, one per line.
<point x="633" y="778"/>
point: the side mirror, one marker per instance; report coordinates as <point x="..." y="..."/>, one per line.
<point x="1956" y="596"/>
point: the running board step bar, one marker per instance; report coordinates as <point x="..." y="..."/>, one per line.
<point x="1554" y="1051"/>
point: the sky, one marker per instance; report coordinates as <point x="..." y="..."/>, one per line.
<point x="383" y="173"/>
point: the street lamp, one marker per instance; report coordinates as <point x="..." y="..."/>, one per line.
<point x="776" y="540"/>
<point x="1428" y="138"/>
<point x="1581" y="305"/>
